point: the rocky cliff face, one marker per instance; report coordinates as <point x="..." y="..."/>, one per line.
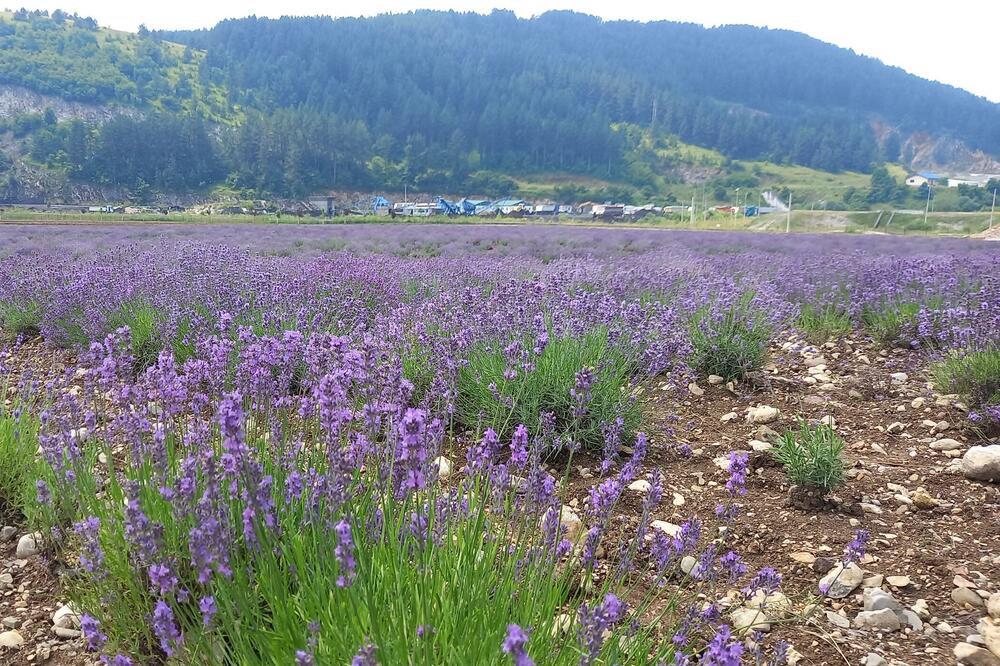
<point x="16" y="101"/>
<point x="946" y="155"/>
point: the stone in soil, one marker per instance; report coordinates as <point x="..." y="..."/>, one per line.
<point x="969" y="654"/>
<point x="7" y="533"/>
<point x="571" y="522"/>
<point x="762" y="414"/>
<point x="875" y="659"/>
<point x="29" y="545"/>
<point x="11" y="639"/>
<point x="947" y="444"/>
<point x="444" y="467"/>
<point x="750" y="619"/>
<point x="964" y="595"/>
<point x="993" y="606"/>
<point x="982" y="463"/>
<point x="883" y="620"/>
<point x="841" y="581"/>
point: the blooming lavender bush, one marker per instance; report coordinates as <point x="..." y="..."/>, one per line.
<point x="220" y="512"/>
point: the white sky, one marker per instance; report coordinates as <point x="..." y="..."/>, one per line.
<point x="955" y="43"/>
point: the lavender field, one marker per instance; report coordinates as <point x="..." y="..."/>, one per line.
<point x="405" y="444"/>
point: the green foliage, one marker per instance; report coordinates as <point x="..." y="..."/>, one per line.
<point x="731" y="343"/>
<point x="18" y="447"/>
<point x="884" y="187"/>
<point x="546" y="389"/>
<point x="973" y="374"/>
<point x="67" y="56"/>
<point x="145" y="326"/>
<point x="821" y="323"/>
<point x="811" y="456"/>
<point x="20" y="318"/>
<point x="892" y="323"/>
<point x="464" y="585"/>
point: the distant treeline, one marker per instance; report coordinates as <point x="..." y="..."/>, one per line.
<point x="447" y="101"/>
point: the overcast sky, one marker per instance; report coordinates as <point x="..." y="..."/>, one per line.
<point x="954" y="43"/>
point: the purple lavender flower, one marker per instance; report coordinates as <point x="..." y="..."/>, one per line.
<point x="208" y="609"/>
<point x="855" y="550"/>
<point x="580" y="393"/>
<point x="162" y="578"/>
<point x="43" y="494"/>
<point x="91" y="629"/>
<point x="91" y="553"/>
<point x="303" y="658"/>
<point x="594" y="622"/>
<point x="366" y="656"/>
<point x="344" y="552"/>
<point x="514" y="646"/>
<point x="722" y="650"/>
<point x="519" y="447"/>
<point x="165" y="628"/>
<point x="766" y="580"/>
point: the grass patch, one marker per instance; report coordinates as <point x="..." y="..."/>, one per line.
<point x="731" y="343"/>
<point x="822" y="323"/>
<point x="145" y="327"/>
<point x="892" y="324"/>
<point x="974" y="375"/>
<point x="811" y="456"/>
<point x="489" y="396"/>
<point x="21" y="319"/>
<point x="18" y="445"/>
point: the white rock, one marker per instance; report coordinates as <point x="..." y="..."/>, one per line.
<point x="758" y="445"/>
<point x="899" y="377"/>
<point x="762" y="414"/>
<point x="970" y="655"/>
<point x="990" y="632"/>
<point x="993" y="606"/>
<point x="678" y="499"/>
<point x="66" y="617"/>
<point x="571" y="522"/>
<point x="66" y="632"/>
<point x="726" y="418"/>
<point x="876" y="600"/>
<point x="664" y="526"/>
<point x="444" y="467"/>
<point x="838" y="620"/>
<point x="982" y="463"/>
<point x="7" y="533"/>
<point x="921" y="608"/>
<point x="11" y="639"/>
<point x="965" y="595"/>
<point x="898" y="581"/>
<point x="895" y="428"/>
<point x="841" y="581"/>
<point x="946" y="444"/>
<point x="875" y="659"/>
<point x="883" y="620"/>
<point x="775" y="604"/>
<point x="640" y="486"/>
<point x="750" y="619"/>
<point x="688" y="564"/>
<point x="715" y="380"/>
<point x="917" y="403"/>
<point x="29" y="545"/>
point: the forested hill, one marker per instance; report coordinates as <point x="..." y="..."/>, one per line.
<point x="446" y="101"/>
<point x="546" y="89"/>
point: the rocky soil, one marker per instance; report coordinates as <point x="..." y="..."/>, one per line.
<point x="925" y="486"/>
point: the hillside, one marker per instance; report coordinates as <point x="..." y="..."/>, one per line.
<point x="443" y="101"/>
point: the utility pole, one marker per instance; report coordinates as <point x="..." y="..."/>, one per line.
<point x="993" y="207"/>
<point x="927" y="206"/>
<point x="692" y="209"/>
<point x="788" y="218"/>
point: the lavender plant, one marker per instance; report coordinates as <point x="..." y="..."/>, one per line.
<point x="234" y="520"/>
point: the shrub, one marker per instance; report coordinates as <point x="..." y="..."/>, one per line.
<point x="811" y="456"/>
<point x="821" y="323"/>
<point x="974" y="375"/>
<point x="731" y="342"/>
<point x="18" y="445"/>
<point x="20" y="319"/>
<point x="895" y="324"/>
<point x="220" y="536"/>
<point x="581" y="382"/>
<point x="144" y="322"/>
